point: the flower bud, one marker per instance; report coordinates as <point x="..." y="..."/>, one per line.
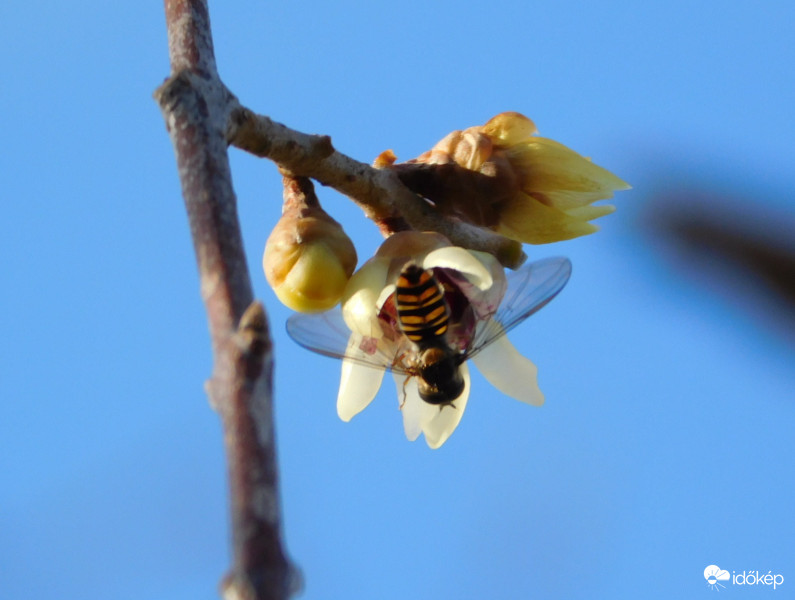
<point x="502" y="176"/>
<point x="308" y="257"/>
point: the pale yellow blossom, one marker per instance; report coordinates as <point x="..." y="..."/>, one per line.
<point x="480" y="282"/>
<point x="503" y="176"/>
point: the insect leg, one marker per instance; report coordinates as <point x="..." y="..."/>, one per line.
<point x="405" y="394"/>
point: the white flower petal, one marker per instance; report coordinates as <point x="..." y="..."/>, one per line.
<point x="412" y="407"/>
<point x="463" y="261"/>
<point x="384" y="295"/>
<point x="509" y="371"/>
<point x="358" y="383"/>
<point x="440" y="424"/>
<point x="361" y="295"/>
<point x="486" y="301"/>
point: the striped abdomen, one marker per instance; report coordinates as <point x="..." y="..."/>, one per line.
<point x="422" y="310"/>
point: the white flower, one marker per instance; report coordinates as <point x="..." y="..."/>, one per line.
<point x="475" y="282"/>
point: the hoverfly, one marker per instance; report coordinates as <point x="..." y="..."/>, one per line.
<point x="423" y="315"/>
<point x="429" y="328"/>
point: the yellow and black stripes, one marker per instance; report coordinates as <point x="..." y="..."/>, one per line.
<point x="422" y="310"/>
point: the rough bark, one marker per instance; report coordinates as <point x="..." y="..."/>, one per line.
<point x="195" y="105"/>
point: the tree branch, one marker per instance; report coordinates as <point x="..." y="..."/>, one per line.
<point x="195" y="105"/>
<point x="202" y="118"/>
<point x="379" y="192"/>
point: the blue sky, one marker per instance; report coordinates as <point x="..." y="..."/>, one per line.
<point x="665" y="444"/>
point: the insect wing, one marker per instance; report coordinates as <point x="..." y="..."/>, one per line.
<point x="529" y="290"/>
<point x="327" y="333"/>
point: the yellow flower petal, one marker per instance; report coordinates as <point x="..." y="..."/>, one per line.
<point x="567" y="200"/>
<point x="589" y="213"/>
<point x="549" y="167"/>
<point x="509" y="128"/>
<point x="533" y="222"/>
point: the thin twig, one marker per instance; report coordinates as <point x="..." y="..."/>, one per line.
<point x="379" y="192"/>
<point x="195" y="105"/>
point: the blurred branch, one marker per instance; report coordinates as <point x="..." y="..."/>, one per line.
<point x="194" y="103"/>
<point x="740" y="243"/>
<point x="379" y="192"/>
<point x="740" y="250"/>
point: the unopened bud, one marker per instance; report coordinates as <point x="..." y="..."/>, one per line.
<point x="308" y="257"/>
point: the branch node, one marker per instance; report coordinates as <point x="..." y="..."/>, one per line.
<point x="173" y="91"/>
<point x="322" y="146"/>
<point x="252" y="331"/>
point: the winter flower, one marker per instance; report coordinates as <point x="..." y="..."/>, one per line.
<point x="474" y="284"/>
<point x="502" y="176"/>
